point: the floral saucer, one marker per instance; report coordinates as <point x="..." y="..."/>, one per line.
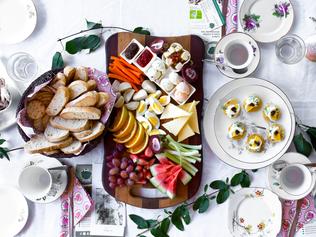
<point x="59" y="178"/>
<point x="254" y="212"/>
<point x="266" y="20"/>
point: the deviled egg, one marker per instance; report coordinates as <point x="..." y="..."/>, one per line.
<point x="153" y="74"/>
<point x="232" y="108"/>
<point x="237" y="131"/>
<point x="275" y="133"/>
<point x="255" y="143"/>
<point x="271" y="112"/>
<point x="252" y="103"/>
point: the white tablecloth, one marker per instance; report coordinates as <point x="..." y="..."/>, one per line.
<point x="165" y="17"/>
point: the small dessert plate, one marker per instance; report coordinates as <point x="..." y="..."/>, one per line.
<point x="266" y="20"/>
<point x="14" y="211"/>
<point x="273" y="177"/>
<point x="59" y="178"/>
<point x="17" y="20"/>
<point x="254" y="212"/>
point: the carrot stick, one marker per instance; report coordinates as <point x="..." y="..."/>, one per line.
<point x="118" y="77"/>
<point x="129" y="65"/>
<point x="127" y="72"/>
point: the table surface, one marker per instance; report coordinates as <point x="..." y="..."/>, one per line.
<point x="59" y="18"/>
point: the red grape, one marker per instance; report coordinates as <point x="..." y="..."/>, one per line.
<point x="112" y="179"/>
<point x="133" y="176"/>
<point x="129" y="182"/>
<point x="112" y="185"/>
<point x="124" y="165"/>
<point x="120" y="181"/>
<point x="114" y="171"/>
<point x="116" y="162"/>
<point x="130" y="168"/>
<point x="124" y="174"/>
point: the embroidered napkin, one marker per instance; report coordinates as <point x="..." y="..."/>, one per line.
<point x="308" y="212"/>
<point x="75" y="204"/>
<point x="231" y="16"/>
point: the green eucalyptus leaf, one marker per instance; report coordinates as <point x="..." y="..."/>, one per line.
<point x="75" y="45"/>
<point x="151" y="223"/>
<point x="165" y="225"/>
<point x="204" y="205"/>
<point x="197" y="203"/>
<point x="93" y="25"/>
<point x="91" y="42"/>
<point x="311" y="132"/>
<point x="141" y="236"/>
<point x="4" y="153"/>
<point x="218" y="184"/>
<point x="2" y="141"/>
<point x="302" y="146"/>
<point x="185" y="215"/>
<point x="236" y="180"/>
<point x="139" y="221"/>
<point x="57" y="61"/>
<point x="158" y="233"/>
<point x="141" y="30"/>
<point x="245" y="183"/>
<point x="205" y="188"/>
<point x="176" y="218"/>
<point x="222" y="196"/>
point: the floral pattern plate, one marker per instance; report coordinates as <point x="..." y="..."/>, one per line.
<point x="14" y="211"/>
<point x="219" y="51"/>
<point x="254" y="212"/>
<point x="266" y="20"/>
<point x="59" y="178"/>
<point x="17" y="20"/>
<point x="290" y="157"/>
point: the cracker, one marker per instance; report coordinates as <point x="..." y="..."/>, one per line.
<point x="38" y="125"/>
<point x="35" y="109"/>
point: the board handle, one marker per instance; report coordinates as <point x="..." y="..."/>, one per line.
<point x="146" y="192"/>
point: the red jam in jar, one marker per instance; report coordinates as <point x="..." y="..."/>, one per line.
<point x="144" y="58"/>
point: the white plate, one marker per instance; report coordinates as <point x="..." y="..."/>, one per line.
<point x="17" y="20"/>
<point x="291" y="157"/>
<point x="59" y="178"/>
<point x="216" y="124"/>
<point x="219" y="49"/>
<point x="14" y="211"/>
<point x="254" y="212"/>
<point x="271" y="27"/>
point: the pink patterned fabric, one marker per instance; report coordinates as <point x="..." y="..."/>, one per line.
<point x="231" y="16"/>
<point x="74" y="206"/>
<point x="308" y="212"/>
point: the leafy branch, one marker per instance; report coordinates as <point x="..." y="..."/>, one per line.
<point x="88" y="42"/>
<point x="302" y="145"/>
<point x="159" y="227"/>
<point x="4" y="150"/>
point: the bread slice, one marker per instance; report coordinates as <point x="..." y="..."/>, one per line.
<point x="51" y="152"/>
<point x="59" y="80"/>
<point x="69" y="73"/>
<point x="77" y="88"/>
<point x="55" y="134"/>
<point x="81" y="113"/>
<point x="81" y="74"/>
<point x="87" y="99"/>
<point x="58" y="102"/>
<point x="73" y="148"/>
<point x="103" y="99"/>
<point x="97" y="130"/>
<point x="82" y="134"/>
<point x="39" y="144"/>
<point x="92" y="84"/>
<point x="73" y="125"/>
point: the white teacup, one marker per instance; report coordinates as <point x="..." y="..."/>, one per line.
<point x="295" y="179"/>
<point x="35" y="181"/>
<point x="238" y="54"/>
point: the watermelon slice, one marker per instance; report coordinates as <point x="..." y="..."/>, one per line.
<point x="185" y="177"/>
<point x="160" y="168"/>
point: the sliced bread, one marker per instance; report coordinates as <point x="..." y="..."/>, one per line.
<point x="39" y="143"/>
<point x="103" y="99"/>
<point x="73" y="125"/>
<point x="69" y="72"/>
<point x="55" y="134"/>
<point x="92" y="84"/>
<point x="59" y="80"/>
<point x="81" y="113"/>
<point x="81" y="74"/>
<point x="58" y="102"/>
<point x="51" y="152"/>
<point x="82" y="134"/>
<point x="89" y="98"/>
<point x="97" y="130"/>
<point x="73" y="148"/>
<point x="77" y="88"/>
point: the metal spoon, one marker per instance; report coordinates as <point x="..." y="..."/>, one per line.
<point x="63" y="167"/>
<point x="281" y="164"/>
<point x="223" y="66"/>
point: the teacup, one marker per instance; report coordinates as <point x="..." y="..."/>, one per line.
<point x="295" y="179"/>
<point x="5" y="96"/>
<point x="35" y="182"/>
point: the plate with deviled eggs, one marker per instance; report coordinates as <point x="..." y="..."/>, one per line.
<point x="249" y="123"/>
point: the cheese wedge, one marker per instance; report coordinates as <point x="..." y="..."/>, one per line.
<point x="185" y="133"/>
<point x="172" y="111"/>
<point x="193" y="121"/>
<point x="176" y="125"/>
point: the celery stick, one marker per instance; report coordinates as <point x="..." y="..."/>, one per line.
<point x="187" y="166"/>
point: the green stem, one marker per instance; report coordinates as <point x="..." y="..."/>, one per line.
<point x="15" y="149"/>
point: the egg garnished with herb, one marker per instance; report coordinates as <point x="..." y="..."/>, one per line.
<point x="232" y="108"/>
<point x="255" y="143"/>
<point x="252" y="103"/>
<point x="236" y="131"/>
<point x="271" y="113"/>
<point x="275" y="133"/>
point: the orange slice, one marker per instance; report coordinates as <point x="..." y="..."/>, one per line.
<point x="128" y="127"/>
<point x="140" y="135"/>
<point x="128" y="137"/>
<point x="140" y="147"/>
<point x="120" y="119"/>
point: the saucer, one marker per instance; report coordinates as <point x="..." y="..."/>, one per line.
<point x="274" y="184"/>
<point x="14" y="211"/>
<point x="266" y="20"/>
<point x="219" y="49"/>
<point x="254" y="212"/>
<point x="17" y="20"/>
<point x="59" y="178"/>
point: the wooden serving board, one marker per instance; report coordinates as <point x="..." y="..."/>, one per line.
<point x="114" y="45"/>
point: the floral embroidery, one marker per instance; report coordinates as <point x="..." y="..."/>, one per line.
<point x="251" y="22"/>
<point x="261" y="226"/>
<point x="259" y="193"/>
<point x="241" y="220"/>
<point x="281" y="9"/>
